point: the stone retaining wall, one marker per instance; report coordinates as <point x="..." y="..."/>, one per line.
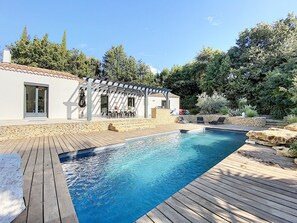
<point x="237" y="120"/>
<point x="37" y="130"/>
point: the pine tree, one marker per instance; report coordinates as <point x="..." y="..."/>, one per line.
<point x="64" y="52"/>
<point x="20" y="50"/>
<point x="64" y="46"/>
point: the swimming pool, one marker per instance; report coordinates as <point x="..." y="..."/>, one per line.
<point x="120" y="184"/>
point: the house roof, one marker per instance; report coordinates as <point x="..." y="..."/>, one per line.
<point x="37" y="71"/>
<point x="160" y="95"/>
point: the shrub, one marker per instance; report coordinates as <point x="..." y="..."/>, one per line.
<point x="193" y="111"/>
<point x="293" y="111"/>
<point x="290" y="119"/>
<point x="234" y="112"/>
<point x="242" y="102"/>
<point x="224" y="110"/>
<point x="251" y="113"/>
<point x="293" y="149"/>
<point x="211" y="104"/>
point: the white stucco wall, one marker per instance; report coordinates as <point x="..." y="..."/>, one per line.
<point x="62" y="94"/>
<point x="119" y="100"/>
<point x="157" y="102"/>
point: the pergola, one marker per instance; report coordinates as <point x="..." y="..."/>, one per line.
<point x="105" y="86"/>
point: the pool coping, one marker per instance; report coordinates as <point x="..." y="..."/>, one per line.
<point x="98" y="150"/>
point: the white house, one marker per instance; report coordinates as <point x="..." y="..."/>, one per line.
<point x="29" y="93"/>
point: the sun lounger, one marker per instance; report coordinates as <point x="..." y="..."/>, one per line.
<point x="219" y="121"/>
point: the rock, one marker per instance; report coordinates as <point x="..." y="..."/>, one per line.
<point x="276" y="148"/>
<point x="11" y="187"/>
<point x="292" y="127"/>
<point x="295" y="161"/>
<point x="283" y="152"/>
<point x="273" y="136"/>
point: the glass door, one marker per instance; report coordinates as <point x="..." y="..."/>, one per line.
<point x="104" y="105"/>
<point x="35" y="101"/>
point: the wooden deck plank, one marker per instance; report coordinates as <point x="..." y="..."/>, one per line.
<point x="144" y="219"/>
<point x="51" y="210"/>
<point x="157" y="217"/>
<point x="75" y="142"/>
<point x="245" y="204"/>
<point x="199" y="209"/>
<point x="185" y="211"/>
<point x="67" y="147"/>
<point x="27" y="153"/>
<point x="270" y="180"/>
<point x="271" y="171"/>
<point x="261" y="200"/>
<point x="171" y="213"/>
<point x="84" y="141"/>
<point x="35" y="204"/>
<point x="55" y="144"/>
<point x="258" y="180"/>
<point x="255" y="190"/>
<point x="62" y="144"/>
<point x="216" y="206"/>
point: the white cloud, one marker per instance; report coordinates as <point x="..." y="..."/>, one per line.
<point x="213" y="21"/>
<point x="154" y="70"/>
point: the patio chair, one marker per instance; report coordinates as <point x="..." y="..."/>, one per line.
<point x="219" y="121"/>
<point x="200" y="120"/>
<point x="126" y="114"/>
<point x="109" y="114"/>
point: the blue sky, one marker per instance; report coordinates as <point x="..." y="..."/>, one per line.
<point x="160" y="32"/>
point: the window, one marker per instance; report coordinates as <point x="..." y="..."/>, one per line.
<point x="36" y="98"/>
<point x="131" y="102"/>
<point x="163" y="103"/>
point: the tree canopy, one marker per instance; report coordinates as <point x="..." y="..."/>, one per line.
<point x="116" y="65"/>
<point x="261" y="67"/>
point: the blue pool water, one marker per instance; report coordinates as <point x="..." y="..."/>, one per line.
<point x="122" y="184"/>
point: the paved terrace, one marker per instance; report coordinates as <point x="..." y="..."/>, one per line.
<point x="235" y="190"/>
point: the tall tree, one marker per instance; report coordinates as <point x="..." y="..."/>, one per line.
<point x="64" y="45"/>
<point x="20" y="50"/>
<point x="46" y="54"/>
<point x="114" y="62"/>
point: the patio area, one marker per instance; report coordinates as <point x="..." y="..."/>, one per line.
<point x="235" y="190"/>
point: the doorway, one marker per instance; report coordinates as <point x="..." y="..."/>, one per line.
<point x="104" y="105"/>
<point x="36" y="99"/>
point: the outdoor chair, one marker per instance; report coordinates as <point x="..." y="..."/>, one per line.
<point x="200" y="120"/>
<point x="219" y="121"/>
<point x="109" y="114"/>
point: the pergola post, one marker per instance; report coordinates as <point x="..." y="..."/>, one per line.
<point x="146" y="103"/>
<point x="167" y="100"/>
<point x="89" y="100"/>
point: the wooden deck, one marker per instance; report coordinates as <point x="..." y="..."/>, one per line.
<point x="46" y="193"/>
<point x="235" y="190"/>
